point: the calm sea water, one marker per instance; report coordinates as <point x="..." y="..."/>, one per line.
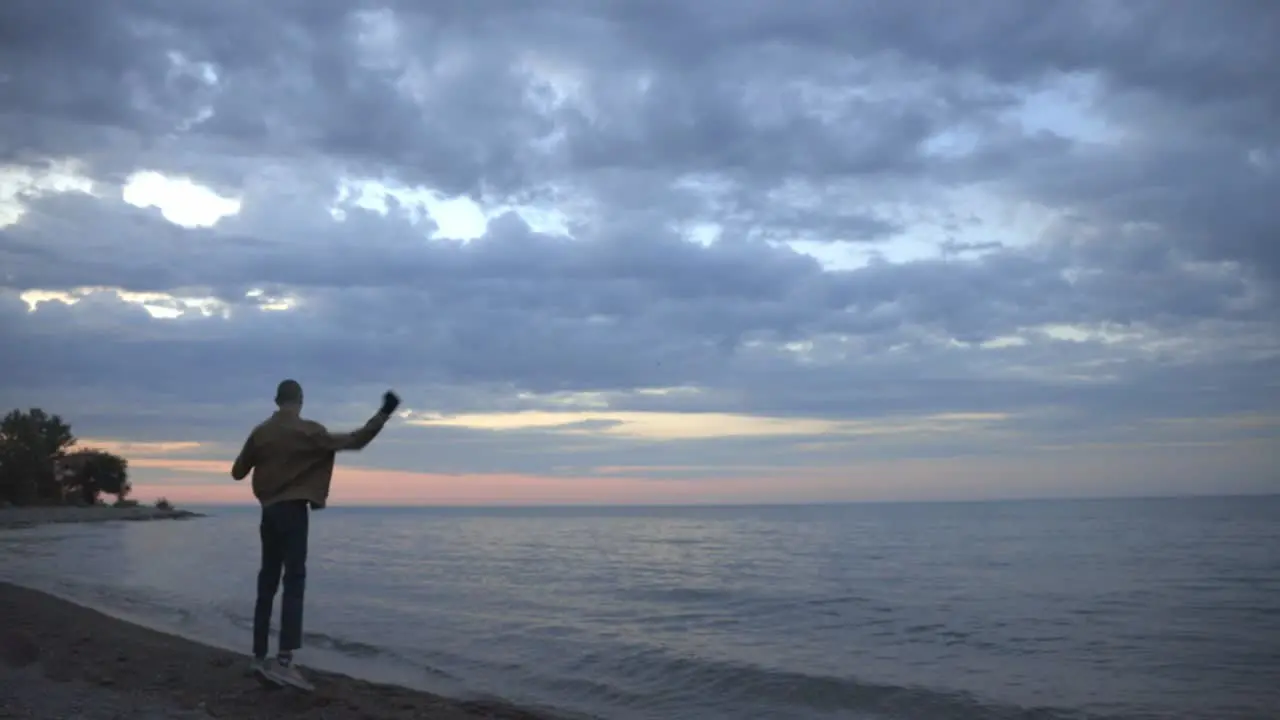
<point x="1130" y="609"/>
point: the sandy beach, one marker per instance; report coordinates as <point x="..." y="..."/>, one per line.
<point x="58" y="659"/>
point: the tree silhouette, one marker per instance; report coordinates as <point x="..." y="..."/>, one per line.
<point x="89" y="473"/>
<point x="30" y="442"/>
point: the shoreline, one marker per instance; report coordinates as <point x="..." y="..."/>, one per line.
<point x="37" y="515"/>
<point x="62" y="659"/>
<point x="53" y="651"/>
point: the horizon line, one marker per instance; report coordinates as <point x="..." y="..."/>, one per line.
<point x="774" y="504"/>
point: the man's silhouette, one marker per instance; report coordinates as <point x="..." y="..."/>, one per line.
<point x="292" y="462"/>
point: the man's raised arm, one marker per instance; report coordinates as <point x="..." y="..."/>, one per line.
<point x="358" y="439"/>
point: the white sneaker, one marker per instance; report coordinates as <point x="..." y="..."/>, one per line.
<point x="287" y="674"/>
<point x="258" y="667"/>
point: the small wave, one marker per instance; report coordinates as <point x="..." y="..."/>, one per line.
<point x="680" y="595"/>
<point x="652" y="678"/>
<point x="353" y="649"/>
<point x="842" y="600"/>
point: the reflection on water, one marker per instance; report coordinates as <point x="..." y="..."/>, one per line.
<point x="1110" y="609"/>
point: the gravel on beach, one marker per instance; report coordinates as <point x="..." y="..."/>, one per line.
<point x="27" y="694"/>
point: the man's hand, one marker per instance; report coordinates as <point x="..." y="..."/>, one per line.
<point x="390" y="401"/>
<point x="244" y="461"/>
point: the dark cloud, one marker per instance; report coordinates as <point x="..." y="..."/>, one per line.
<point x="1057" y="213"/>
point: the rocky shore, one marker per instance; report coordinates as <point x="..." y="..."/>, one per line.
<point x="19" y="517"/>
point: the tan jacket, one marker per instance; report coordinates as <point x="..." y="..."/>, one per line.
<point x="292" y="457"/>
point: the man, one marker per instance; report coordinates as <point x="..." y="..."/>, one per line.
<point x="292" y="462"/>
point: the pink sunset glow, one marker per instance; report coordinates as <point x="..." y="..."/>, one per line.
<point x="365" y="486"/>
<point x="1068" y="472"/>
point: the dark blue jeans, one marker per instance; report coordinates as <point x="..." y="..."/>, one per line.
<point x="283" y="531"/>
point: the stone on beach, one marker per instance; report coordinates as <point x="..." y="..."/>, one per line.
<point x="18" y="649"/>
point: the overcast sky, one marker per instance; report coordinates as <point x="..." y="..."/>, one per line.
<point x="653" y="251"/>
